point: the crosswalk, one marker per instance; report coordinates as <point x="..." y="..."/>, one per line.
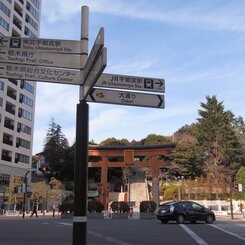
<point x="234" y="229"/>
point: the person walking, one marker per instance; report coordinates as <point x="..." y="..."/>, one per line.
<point x="34" y="211"/>
<point x="2" y="206"/>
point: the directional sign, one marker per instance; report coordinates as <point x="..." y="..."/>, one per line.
<point x="131" y="82"/>
<point x="95" y="52"/>
<point x="126" y="98"/>
<point x="41" y="59"/>
<point x="41" y="45"/>
<point x="40" y="73"/>
<point x="95" y="73"/>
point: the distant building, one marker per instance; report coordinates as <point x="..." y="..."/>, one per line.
<point x="18" y="18"/>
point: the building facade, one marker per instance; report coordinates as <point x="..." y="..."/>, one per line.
<point x="18" y="18"/>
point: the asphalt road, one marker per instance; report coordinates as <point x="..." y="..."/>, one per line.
<point x="56" y="231"/>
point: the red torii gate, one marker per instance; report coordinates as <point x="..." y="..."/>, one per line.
<point x="130" y="156"/>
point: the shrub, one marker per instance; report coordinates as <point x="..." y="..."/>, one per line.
<point x="67" y="206"/>
<point x="148" y="206"/>
<point x="95" y="206"/>
<point x="119" y="207"/>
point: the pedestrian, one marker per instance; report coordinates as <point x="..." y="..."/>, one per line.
<point x="34" y="211"/>
<point x="2" y="206"/>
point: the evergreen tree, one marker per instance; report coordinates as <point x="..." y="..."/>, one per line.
<point x="114" y="142"/>
<point x="55" y="148"/>
<point x="187" y="159"/>
<point x="153" y="139"/>
<point x="216" y="136"/>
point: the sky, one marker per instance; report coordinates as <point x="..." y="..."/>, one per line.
<point x="196" y="46"/>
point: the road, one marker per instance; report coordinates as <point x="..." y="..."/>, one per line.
<point x="56" y="231"/>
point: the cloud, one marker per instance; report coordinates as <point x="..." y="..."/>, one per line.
<point x="222" y="17"/>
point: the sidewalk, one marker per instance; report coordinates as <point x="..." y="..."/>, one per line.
<point x="27" y="215"/>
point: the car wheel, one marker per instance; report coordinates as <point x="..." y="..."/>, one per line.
<point x="164" y="221"/>
<point x="193" y="222"/>
<point x="209" y="219"/>
<point x="180" y="219"/>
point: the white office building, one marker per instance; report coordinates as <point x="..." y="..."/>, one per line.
<point x="18" y="18"/>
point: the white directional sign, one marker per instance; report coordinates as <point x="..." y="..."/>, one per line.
<point x="131" y="82"/>
<point x="41" y="45"/>
<point x="126" y="98"/>
<point x="40" y="73"/>
<point x="42" y="59"/>
<point x="95" y="52"/>
<point x="96" y="71"/>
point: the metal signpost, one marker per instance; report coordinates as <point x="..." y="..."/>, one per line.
<point x="68" y="62"/>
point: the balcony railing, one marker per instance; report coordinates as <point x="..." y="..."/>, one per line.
<point x="7" y="141"/>
<point x="10" y="110"/>
<point x="6" y="158"/>
<point x="18" y="11"/>
<point x="8" y="125"/>
<point x="11" y="95"/>
<point x="17" y="24"/>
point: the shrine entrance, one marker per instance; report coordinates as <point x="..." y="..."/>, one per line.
<point x="135" y="156"/>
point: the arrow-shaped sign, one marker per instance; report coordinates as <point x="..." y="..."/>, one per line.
<point x="131" y="82"/>
<point x="15" y="56"/>
<point x="41" y="45"/>
<point x="96" y="71"/>
<point x="40" y="73"/>
<point x="126" y="98"/>
<point x="95" y="52"/>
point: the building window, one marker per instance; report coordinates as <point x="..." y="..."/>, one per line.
<point x="24" y="128"/>
<point x="7" y="139"/>
<point x="27" y="86"/>
<point x="1" y="85"/>
<point x="29" y="33"/>
<point x="21" y="158"/>
<point x="26" y="114"/>
<point x="4" y="24"/>
<point x="23" y="143"/>
<point x="36" y="3"/>
<point x="26" y="100"/>
<point x="9" y="123"/>
<point x="4" y="8"/>
<point x="6" y="155"/>
<point x="1" y="101"/>
<point x="4" y="181"/>
<point x="31" y="22"/>
<point x="32" y="10"/>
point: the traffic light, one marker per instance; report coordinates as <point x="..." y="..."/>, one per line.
<point x="236" y="187"/>
<point x="43" y="169"/>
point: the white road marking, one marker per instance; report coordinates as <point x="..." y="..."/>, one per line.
<point x="228" y="232"/>
<point x="197" y="238"/>
<point x="109" y="239"/>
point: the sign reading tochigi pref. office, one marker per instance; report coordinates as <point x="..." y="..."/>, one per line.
<point x="41" y="45"/>
<point x="38" y="58"/>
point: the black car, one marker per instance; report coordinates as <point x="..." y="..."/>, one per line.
<point x="184" y="211"/>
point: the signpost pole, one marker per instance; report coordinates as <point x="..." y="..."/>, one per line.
<point x="81" y="151"/>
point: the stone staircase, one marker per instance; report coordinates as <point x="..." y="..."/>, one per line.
<point x="137" y="187"/>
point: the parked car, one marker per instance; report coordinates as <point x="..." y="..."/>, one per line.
<point x="184" y="211"/>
